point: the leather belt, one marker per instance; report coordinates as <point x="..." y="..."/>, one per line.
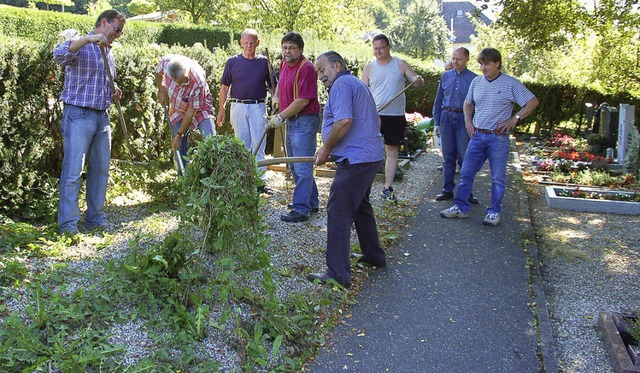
<point x="490" y="132"/>
<point x="247" y="101"/>
<point x="453" y="109"/>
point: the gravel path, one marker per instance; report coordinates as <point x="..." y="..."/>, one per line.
<point x="589" y="262"/>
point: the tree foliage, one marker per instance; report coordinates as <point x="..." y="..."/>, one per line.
<point x="598" y="45"/>
<point x="420" y="31"/>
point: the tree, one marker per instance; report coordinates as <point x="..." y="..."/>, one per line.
<point x="200" y="10"/>
<point x="602" y="42"/>
<point x="141" y="7"/>
<point x="341" y="19"/>
<point x="421" y="32"/>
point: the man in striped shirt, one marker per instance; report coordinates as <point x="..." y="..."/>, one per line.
<point x="85" y="127"/>
<point x="488" y="118"/>
<point x="182" y="82"/>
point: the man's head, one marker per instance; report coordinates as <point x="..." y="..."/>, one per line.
<point x="178" y="70"/>
<point x="110" y="23"/>
<point x="490" y="61"/>
<point x="459" y="58"/>
<point x="249" y="41"/>
<point x="292" y="47"/>
<point x="328" y="65"/>
<point x="381" y="47"/>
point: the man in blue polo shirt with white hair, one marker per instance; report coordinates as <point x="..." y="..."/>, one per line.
<point x="351" y="138"/>
<point x="488" y="118"/>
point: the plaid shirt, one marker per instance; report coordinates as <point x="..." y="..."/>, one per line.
<point x="195" y="93"/>
<point x="86" y="83"/>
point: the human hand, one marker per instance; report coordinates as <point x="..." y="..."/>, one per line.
<point x="322" y="156"/>
<point x="117" y="93"/>
<point x="275" y="121"/>
<point x="177" y="141"/>
<point x="163" y="98"/>
<point x="417" y="81"/>
<point x="221" y="118"/>
<point x="436" y="131"/>
<point x="275" y="104"/>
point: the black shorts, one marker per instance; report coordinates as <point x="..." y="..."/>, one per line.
<point x="392" y="128"/>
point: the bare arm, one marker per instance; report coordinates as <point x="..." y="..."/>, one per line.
<point x="338" y="130"/>
<point x="224" y="90"/>
<point x="163" y="97"/>
<point x="366" y="73"/>
<point x="296" y="106"/>
<point x="468" y="117"/>
<point x="410" y="75"/>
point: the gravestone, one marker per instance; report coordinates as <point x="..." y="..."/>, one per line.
<point x="626" y="125"/>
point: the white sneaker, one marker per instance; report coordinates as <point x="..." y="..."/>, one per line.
<point x="453" y="212"/>
<point x="492" y="219"/>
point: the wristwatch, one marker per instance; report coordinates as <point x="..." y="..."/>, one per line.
<point x="517" y="118"/>
<point x="278" y="119"/>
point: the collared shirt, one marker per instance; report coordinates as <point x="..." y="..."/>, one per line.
<point x="493" y="100"/>
<point x="452" y="91"/>
<point x="349" y="98"/>
<point x="307" y="85"/>
<point x="86" y="83"/>
<point x="195" y="92"/>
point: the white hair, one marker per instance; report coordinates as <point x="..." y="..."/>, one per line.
<point x="67" y="34"/>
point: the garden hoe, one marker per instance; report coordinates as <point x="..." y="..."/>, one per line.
<point x="113" y="89"/>
<point x="177" y="158"/>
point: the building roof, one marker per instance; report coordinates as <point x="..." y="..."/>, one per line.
<point x="456" y="14"/>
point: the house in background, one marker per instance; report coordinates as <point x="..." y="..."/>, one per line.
<point x="456" y="14"/>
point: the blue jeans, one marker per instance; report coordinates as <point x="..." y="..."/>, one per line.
<point x="86" y="137"/>
<point x="484" y="146"/>
<point x="301" y="142"/>
<point x="455" y="139"/>
<point x="248" y="122"/>
<point x="206" y="128"/>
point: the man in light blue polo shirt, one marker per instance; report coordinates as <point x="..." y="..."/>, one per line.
<point x="488" y="118"/>
<point x="351" y="137"/>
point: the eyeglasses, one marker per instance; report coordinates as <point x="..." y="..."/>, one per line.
<point x="115" y="28"/>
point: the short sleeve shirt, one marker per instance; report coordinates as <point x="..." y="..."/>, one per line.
<point x="494" y="100"/>
<point x="307" y="85"/>
<point x="349" y="98"/>
<point x="196" y="92"/>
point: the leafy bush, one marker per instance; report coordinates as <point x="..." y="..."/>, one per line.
<point x="597" y="144"/>
<point x="218" y="194"/>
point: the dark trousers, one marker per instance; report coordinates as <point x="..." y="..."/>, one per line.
<point x="348" y="204"/>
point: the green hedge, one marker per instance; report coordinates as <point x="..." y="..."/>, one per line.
<point x="44" y="26"/>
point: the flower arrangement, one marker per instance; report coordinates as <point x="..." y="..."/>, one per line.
<point x="611" y="196"/>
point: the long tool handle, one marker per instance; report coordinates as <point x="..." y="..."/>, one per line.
<point x="394" y="97"/>
<point x="113" y="89"/>
<point x="177" y="158"/>
<point x="264" y="134"/>
<point x="271" y="161"/>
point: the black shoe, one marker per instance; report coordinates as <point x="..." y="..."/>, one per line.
<point x="444" y="196"/>
<point x="262" y="189"/>
<point x="323" y="278"/>
<point x="314" y="210"/>
<point x="294" y="217"/>
<point x="360" y="260"/>
<point x="473" y="200"/>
